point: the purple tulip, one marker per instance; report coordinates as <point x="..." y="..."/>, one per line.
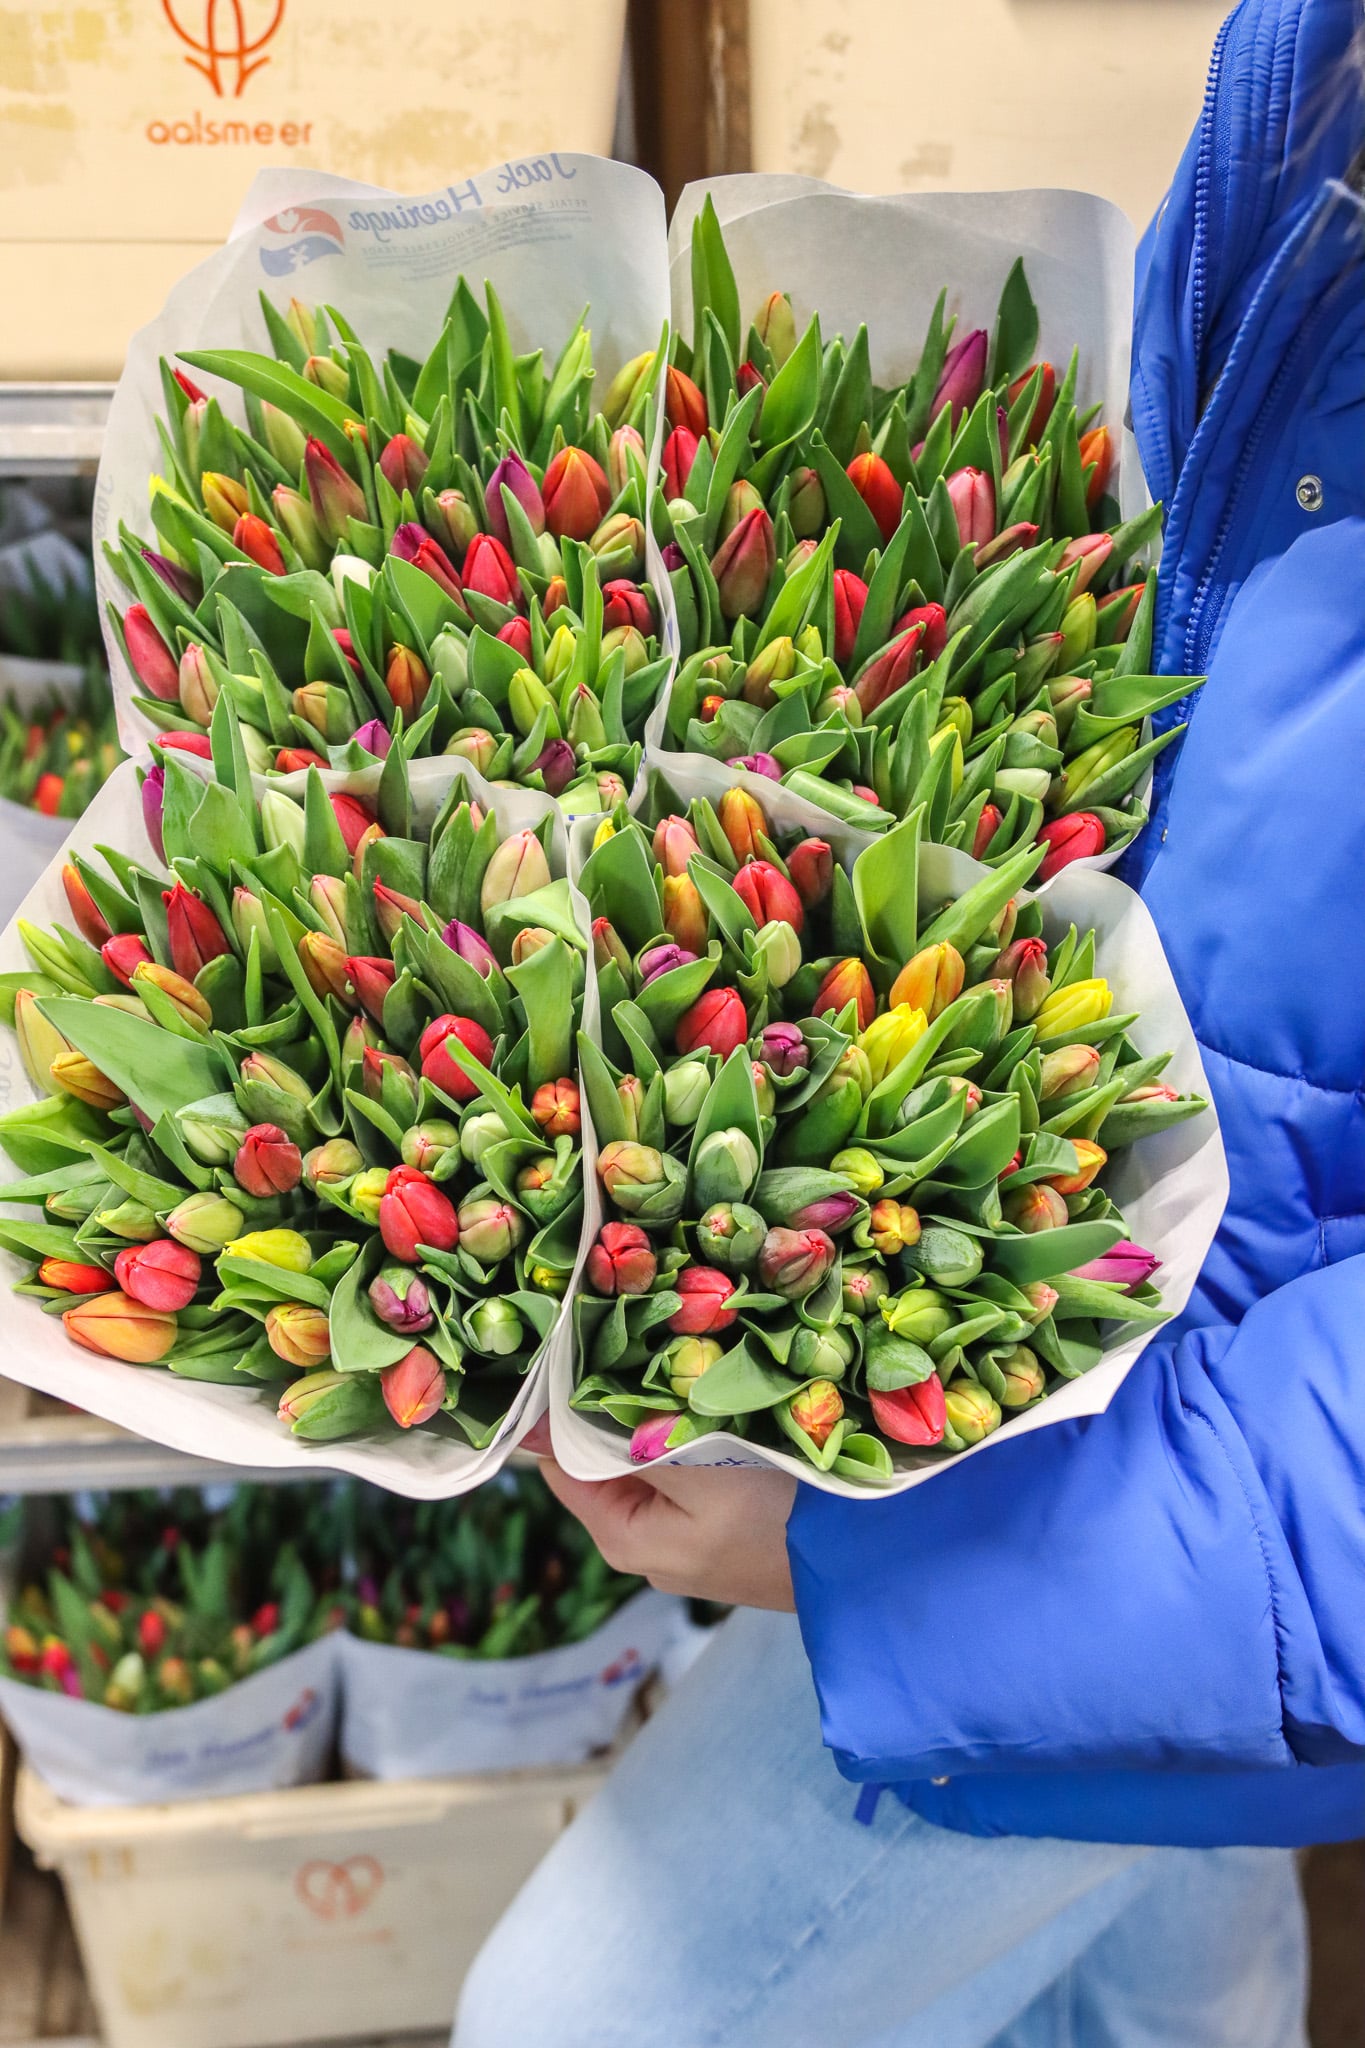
<point x="400" y="1299"/>
<point x="173" y="576"/>
<point x="758" y="764"/>
<point x="513" y="472"/>
<point x="470" y="945"/>
<point x="650" y="1439"/>
<point x="964" y="373"/>
<point x="661" y="960"/>
<point x="828" y="1213"/>
<point x="782" y="1049"/>
<point x="558" y="764"/>
<point x="153" y="802"/>
<point x="673" y="557"/>
<point x="1124" y="1265"/>
<point x="374" y="736"/>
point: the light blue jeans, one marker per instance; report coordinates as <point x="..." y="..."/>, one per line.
<point x="720" y="1891"/>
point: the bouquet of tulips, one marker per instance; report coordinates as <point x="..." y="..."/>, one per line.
<point x="54" y="754"/>
<point x="906" y="597"/>
<point x="307" y="1117"/>
<point x="449" y="550"/>
<point x="505" y="1573"/>
<point x="143" y="1654"/>
<point x="853" y="1143"/>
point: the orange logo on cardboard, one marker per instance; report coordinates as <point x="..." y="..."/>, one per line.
<point x="226" y="55"/>
<point x="338" y="1891"/>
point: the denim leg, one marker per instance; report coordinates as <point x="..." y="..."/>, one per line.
<point x="720" y="1891"/>
<point x="1212" y="1953"/>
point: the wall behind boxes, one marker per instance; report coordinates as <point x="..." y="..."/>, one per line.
<point x="130" y="130"/>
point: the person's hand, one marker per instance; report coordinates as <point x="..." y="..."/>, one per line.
<point x="710" y="1532"/>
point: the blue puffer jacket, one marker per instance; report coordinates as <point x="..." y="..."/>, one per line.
<point x="1150" y="1626"/>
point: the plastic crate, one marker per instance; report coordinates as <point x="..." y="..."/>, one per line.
<point x="317" y="1914"/>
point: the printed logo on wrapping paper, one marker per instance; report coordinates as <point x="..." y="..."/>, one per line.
<point x="304" y="1711"/>
<point x="339" y="1891"/>
<point x="225" y="46"/>
<point x="308" y="232"/>
<point x="628" y="1669"/>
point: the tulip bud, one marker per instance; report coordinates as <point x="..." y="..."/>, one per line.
<point x="716" y="1023"/>
<point x="973" y="499"/>
<point x="1025" y="1377"/>
<point x="162" y="1274"/>
<point x="888" y="1038"/>
<point x="496" y="1329"/>
<point x="871" y="477"/>
<point x="334" y="496"/>
<point x="705" y="1307"/>
<point x="685" y="914"/>
<point x="686" y="1087"/>
<point x="931" y="981"/>
<point x="490" y="1230"/>
<point x="963" y="376"/>
<point x="149" y="657"/>
<point x="1077" y="836"/>
<point x="725" y="1167"/>
<point x="641" y="1181"/>
<point x="267" y="1162"/>
<point x="921" y="1315"/>
<point x="657" y="960"/>
<point x="117" y="1326"/>
<point x="333" y="1164"/>
<point x="366" y="1193"/>
<point x="1097" y="447"/>
<point x="608" y="946"/>
<point x="768" y="895"/>
<point x="817" y="1409"/>
<point x="858" y="1165"/>
<point x="743" y="564"/>
<point x="454" y="519"/>
<point x="864" y="1289"/>
<point x="793" y="1263"/>
<point x="299" y="1334"/>
<point x="743" y="823"/>
<point x="1073" y="1008"/>
<point x="575" y="493"/>
<point x="1035" y="1208"/>
<point x="846" y="982"/>
<point x="414" y="1388"/>
<point x="621" y="1260"/>
<point x="730" y="1235"/>
<point x="807" y="509"/>
<point x="556" y="1107"/>
<point x="204" y="1223"/>
<point x="287" y="1249"/>
<point x="413" y="1212"/>
<point x="894" y="1226"/>
<point x="971" y="1412"/>
<point x="1124" y="1265"/>
<point x="516" y="868"/>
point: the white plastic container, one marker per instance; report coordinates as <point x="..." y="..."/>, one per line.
<point x="286" y="1917"/>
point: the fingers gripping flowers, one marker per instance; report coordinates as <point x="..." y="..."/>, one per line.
<point x="853" y="1185"/>
<point x="297" y="1096"/>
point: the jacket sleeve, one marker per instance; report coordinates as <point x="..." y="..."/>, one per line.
<point x="1176" y="1584"/>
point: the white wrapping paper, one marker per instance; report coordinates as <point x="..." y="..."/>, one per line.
<point x="239" y="1427"/>
<point x="854" y="258"/>
<point x="272" y="1730"/>
<point x="416" y="1714"/>
<point x="553" y="234"/>
<point x="1172" y="1187"/>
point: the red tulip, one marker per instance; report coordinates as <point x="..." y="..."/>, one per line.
<point x="258" y="543"/>
<point x="71" y="1277"/>
<point x="404" y="464"/>
<point x="987" y="825"/>
<point x="716" y="1022"/>
<point x="625" y="604"/>
<point x="414" y="1388"/>
<point x="407" y="682"/>
<point x="850" y="596"/>
<point x="440" y="1068"/>
<point x="195" y="935"/>
<point x="848" y="981"/>
<point x="187" y="743"/>
<point x="934" y="620"/>
<point x="151" y="659"/>
<point x="888" y="671"/>
<point x="1047" y="398"/>
<point x="768" y="895"/>
<point x="680" y="452"/>
<point x="371" y="977"/>
<point x="743" y="564"/>
<point x="811" y="867"/>
<point x="872" y="479"/>
<point x="489" y="569"/>
<point x="621" y="1260"/>
<point x="353" y="815"/>
<point x="288" y="759"/>
<point x="334" y="495"/>
<point x="412" y="543"/>
<point x="517" y="634"/>
<point x="162" y="1275"/>
<point x="576" y="494"/>
<point x="911" y="1415"/>
<point x="90" y="920"/>
<point x="684" y="405"/>
<point x="705" y="1298"/>
<point x="124" y="952"/>
<point x="268" y="1162"/>
<point x="1074" y="837"/>
<point x="1091" y="551"/>
<point x="413" y="1212"/>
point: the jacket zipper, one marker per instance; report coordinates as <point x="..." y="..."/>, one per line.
<point x="1203" y="179"/>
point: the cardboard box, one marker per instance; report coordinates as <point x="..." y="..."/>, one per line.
<point x="130" y="132"/>
<point x="287" y="1917"/>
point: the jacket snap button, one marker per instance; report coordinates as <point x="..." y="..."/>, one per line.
<point x="1308" y="491"/>
<point x="939" y="1781"/>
